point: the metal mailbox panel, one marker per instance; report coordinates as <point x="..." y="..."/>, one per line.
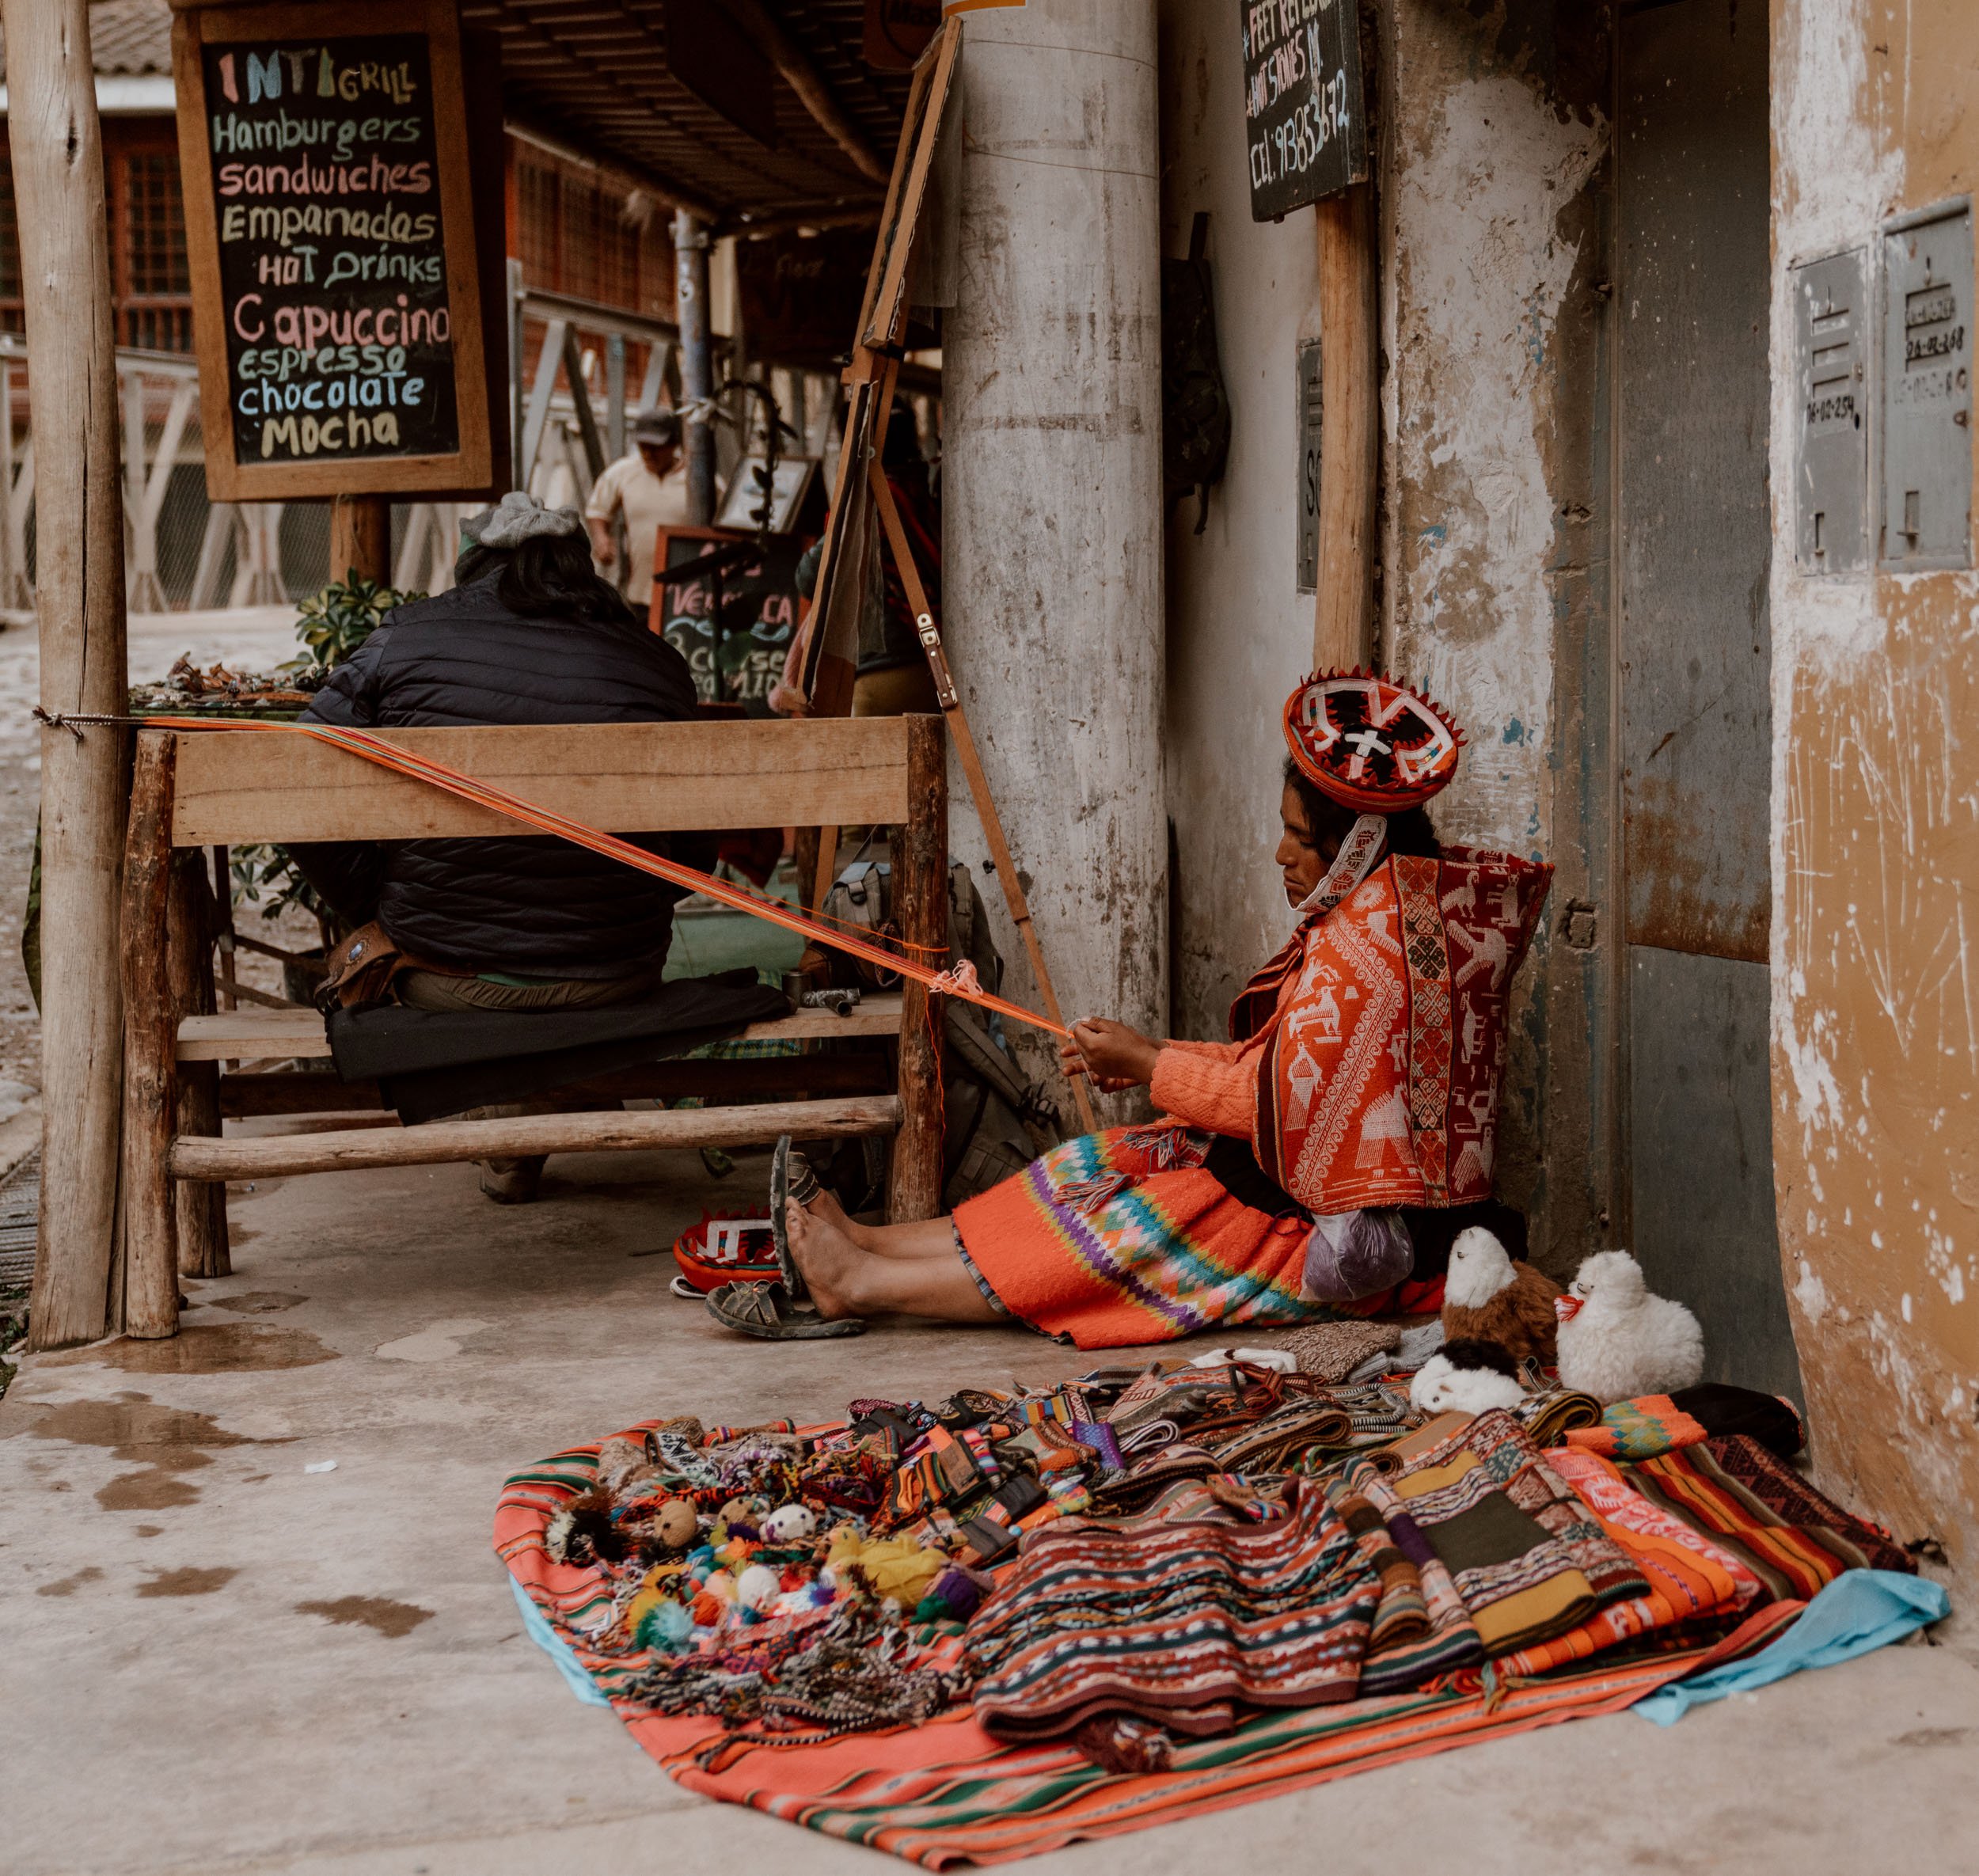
<point x="1926" y="424"/>
<point x="1310" y="467"/>
<point x="1831" y="479"/>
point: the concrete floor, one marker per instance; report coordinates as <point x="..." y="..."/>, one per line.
<point x="328" y="1673"/>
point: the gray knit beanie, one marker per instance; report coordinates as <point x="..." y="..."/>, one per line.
<point x="517" y="518"/>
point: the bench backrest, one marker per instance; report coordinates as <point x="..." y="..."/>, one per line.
<point x="235" y="789"/>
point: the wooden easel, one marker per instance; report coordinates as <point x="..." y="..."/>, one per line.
<point x="830" y="652"/>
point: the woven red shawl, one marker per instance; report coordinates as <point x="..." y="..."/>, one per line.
<point x="1378" y="1080"/>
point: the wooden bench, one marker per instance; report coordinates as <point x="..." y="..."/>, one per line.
<point x="195" y="790"/>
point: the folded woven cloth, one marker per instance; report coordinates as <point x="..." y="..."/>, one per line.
<point x="1331" y="1351"/>
<point x="1654" y="1424"/>
<point x="1399" y="1658"/>
<point x="1182" y="1623"/>
<point x="1551" y="1414"/>
<point x="1529" y="1559"/>
<point x="1754" y="1505"/>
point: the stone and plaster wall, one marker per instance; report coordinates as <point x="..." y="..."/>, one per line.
<point x="1052" y="422"/>
<point x="1495" y="182"/>
<point x="1240" y="631"/>
<point x="1876" y="841"/>
<point x="1493" y="146"/>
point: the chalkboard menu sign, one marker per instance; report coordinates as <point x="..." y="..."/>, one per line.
<point x="1302" y="112"/>
<point x="330" y="227"/>
<point x="730" y="615"/>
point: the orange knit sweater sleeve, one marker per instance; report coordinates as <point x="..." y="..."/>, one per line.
<point x="1210" y="1085"/>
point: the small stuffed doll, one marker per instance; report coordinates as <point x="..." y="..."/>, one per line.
<point x="790" y="1524"/>
<point x="1488" y="1297"/>
<point x="1617" y="1340"/>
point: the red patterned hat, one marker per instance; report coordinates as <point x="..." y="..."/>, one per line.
<point x="1371" y="745"/>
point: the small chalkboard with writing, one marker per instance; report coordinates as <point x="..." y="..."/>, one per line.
<point x="1304" y="115"/>
<point x="730" y="615"/>
<point x="330" y="227"/>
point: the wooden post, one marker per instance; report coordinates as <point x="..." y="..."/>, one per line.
<point x="191" y="926"/>
<point x="65" y="272"/>
<point x="361" y="537"/>
<point x="921" y="899"/>
<point x="1350" y="418"/>
<point x="1014" y="896"/>
<point x="150" y="1037"/>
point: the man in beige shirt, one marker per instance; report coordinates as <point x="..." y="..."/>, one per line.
<point x="650" y="485"/>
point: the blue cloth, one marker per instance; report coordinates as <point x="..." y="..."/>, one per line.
<point x="1859" y="1611"/>
<point x="535" y="1626"/>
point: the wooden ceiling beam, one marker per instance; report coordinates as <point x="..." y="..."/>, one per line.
<point x="804" y="78"/>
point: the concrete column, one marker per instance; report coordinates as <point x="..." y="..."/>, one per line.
<point x="1052" y="489"/>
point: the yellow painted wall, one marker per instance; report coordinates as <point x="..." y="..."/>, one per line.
<point x="1875" y="954"/>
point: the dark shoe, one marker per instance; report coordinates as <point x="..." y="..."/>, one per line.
<point x="511" y="1181"/>
<point x="766" y="1311"/>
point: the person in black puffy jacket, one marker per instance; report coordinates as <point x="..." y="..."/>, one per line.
<point x="530" y="634"/>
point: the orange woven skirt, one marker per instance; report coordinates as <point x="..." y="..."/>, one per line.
<point x="1125" y="1237"/>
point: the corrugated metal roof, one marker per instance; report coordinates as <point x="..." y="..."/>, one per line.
<point x="594" y="74"/>
<point x="128" y="38"/>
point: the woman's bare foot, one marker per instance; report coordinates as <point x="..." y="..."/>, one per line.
<point x="825" y="1208"/>
<point x="926" y="1240"/>
<point x="918" y="1274"/>
<point x="826" y="1254"/>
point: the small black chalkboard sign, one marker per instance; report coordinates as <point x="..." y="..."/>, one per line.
<point x="730" y="615"/>
<point x="330" y="230"/>
<point x="1303" y="110"/>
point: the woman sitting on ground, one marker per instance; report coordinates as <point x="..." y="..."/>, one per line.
<point x="1322" y="1156"/>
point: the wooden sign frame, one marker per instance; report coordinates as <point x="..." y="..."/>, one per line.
<point x="471" y="466"/>
<point x="830" y="651"/>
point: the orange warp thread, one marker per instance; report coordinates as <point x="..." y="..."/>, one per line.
<point x="961" y="982"/>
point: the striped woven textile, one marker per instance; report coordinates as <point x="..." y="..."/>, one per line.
<point x="1690" y="1580"/>
<point x="1794" y="1541"/>
<point x="949" y="1792"/>
<point x="1179" y="1622"/>
<point x="1529" y="1560"/>
<point x="1449" y="1640"/>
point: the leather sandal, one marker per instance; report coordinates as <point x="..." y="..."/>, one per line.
<point x="790" y="1177"/>
<point x="766" y="1311"/>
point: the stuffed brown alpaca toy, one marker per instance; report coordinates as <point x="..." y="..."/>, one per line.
<point x="1491" y="1296"/>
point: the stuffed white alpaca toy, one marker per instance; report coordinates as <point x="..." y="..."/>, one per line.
<point x="1617" y="1341"/>
<point x="1440" y="1387"/>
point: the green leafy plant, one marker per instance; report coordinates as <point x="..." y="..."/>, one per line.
<point x="332" y="624"/>
<point x="335" y="622"/>
<point x="268" y="875"/>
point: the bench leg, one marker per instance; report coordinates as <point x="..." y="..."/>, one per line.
<point x="921" y="901"/>
<point x="150" y="1040"/>
<point x="200" y="1210"/>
